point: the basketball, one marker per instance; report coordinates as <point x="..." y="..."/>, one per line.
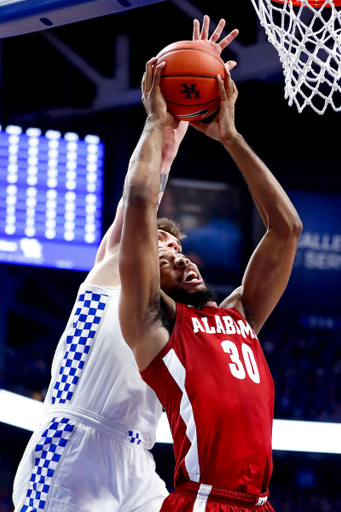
<point x="189" y="79"/>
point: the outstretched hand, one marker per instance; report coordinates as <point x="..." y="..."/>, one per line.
<point x="152" y="97"/>
<point x="222" y="128"/>
<point x="213" y="40"/>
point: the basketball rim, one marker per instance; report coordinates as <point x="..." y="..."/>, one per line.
<point x="313" y="3"/>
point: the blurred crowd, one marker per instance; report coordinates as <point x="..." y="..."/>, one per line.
<point x="308" y="501"/>
<point x="306" y="367"/>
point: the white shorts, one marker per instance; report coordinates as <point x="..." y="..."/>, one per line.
<point x="77" y="463"/>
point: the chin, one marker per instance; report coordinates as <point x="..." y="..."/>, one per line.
<point x="196" y="298"/>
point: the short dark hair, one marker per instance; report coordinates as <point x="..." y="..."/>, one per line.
<point x="171" y="227"/>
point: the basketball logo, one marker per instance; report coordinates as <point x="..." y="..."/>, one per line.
<point x="190" y="91"/>
<point x="189" y="79"/>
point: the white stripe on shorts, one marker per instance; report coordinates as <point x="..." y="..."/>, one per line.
<point x="201" y="499"/>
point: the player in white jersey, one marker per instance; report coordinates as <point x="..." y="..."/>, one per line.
<point x="90" y="454"/>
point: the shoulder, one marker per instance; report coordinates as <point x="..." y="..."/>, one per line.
<point x="235" y="301"/>
<point x="97" y="296"/>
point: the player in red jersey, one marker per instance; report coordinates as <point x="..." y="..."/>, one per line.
<point x="205" y="362"/>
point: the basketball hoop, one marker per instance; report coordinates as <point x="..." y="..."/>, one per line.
<point x="313" y="3"/>
<point x="307" y="36"/>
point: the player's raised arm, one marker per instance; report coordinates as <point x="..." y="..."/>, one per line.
<point x="172" y="138"/>
<point x="269" y="268"/>
<point x="105" y="270"/>
<point x="138" y="256"/>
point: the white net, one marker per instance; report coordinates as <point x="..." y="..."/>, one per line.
<point x="308" y="40"/>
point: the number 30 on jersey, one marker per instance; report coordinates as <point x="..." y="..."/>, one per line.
<point x="236" y="365"/>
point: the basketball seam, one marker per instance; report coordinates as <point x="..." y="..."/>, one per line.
<point x="194" y="104"/>
<point x="194" y="50"/>
<point x="193" y="76"/>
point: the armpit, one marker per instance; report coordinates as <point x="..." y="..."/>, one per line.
<point x="248" y="313"/>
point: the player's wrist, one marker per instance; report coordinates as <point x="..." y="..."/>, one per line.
<point x="232" y="139"/>
<point x="156" y="119"/>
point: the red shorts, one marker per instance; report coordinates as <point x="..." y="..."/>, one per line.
<point x="204" y="498"/>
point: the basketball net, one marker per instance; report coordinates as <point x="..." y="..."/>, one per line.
<point x="306" y="34"/>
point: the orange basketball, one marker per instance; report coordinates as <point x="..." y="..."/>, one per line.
<point x="189" y="79"/>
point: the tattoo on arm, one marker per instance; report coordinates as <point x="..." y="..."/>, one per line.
<point x="163" y="183"/>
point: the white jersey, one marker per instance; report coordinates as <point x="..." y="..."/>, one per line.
<point x="91" y="451"/>
<point x="95" y="370"/>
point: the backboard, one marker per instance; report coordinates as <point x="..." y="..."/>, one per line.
<point x="24" y="16"/>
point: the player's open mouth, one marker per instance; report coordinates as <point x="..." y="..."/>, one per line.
<point x="190" y="276"/>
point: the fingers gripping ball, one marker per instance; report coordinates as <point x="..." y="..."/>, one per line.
<point x="188" y="81"/>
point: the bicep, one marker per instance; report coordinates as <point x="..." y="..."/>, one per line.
<point x="105" y="270"/>
<point x="146" y="339"/>
<point x="112" y="237"/>
<point x="140" y="305"/>
<point x="267" y="275"/>
<point x="139" y="271"/>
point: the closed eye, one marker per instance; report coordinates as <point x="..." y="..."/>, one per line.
<point x="163" y="257"/>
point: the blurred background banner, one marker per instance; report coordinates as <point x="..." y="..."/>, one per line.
<point x="314" y="286"/>
<point x="209" y="214"/>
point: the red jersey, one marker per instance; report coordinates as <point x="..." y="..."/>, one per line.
<point x="215" y="385"/>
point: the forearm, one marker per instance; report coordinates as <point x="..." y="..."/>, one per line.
<point x="169" y="151"/>
<point x="171" y="141"/>
<point x="138" y="247"/>
<point x="143" y="177"/>
<point x="273" y="204"/>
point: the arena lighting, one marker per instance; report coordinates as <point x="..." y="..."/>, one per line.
<point x="300" y="436"/>
<point x="19" y="411"/>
